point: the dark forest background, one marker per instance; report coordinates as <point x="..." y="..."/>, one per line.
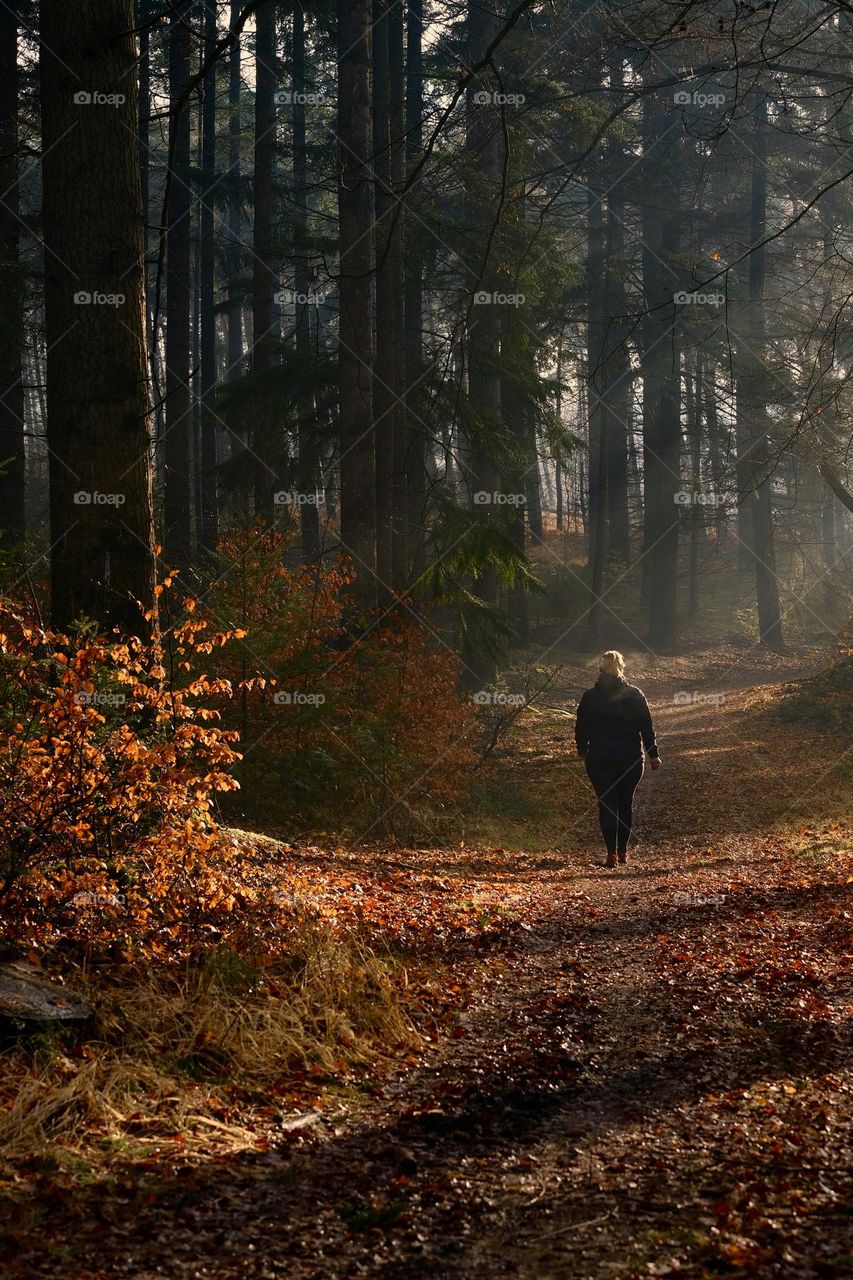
<point x="410" y="349"/>
<point x="513" y="305"/>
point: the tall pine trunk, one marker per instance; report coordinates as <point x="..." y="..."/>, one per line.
<point x="597" y="419"/>
<point x="208" y="513"/>
<point x="414" y="298"/>
<point x="662" y="461"/>
<point x="12" y="455"/>
<point x="309" y="515"/>
<point x="384" y="398"/>
<point x="266" y="442"/>
<point x="142" y="9"/>
<point x="616" y="398"/>
<point x="830" y="550"/>
<point x="388" y="385"/>
<point x="235" y="296"/>
<point x="514" y="411"/>
<point x="483" y="147"/>
<point x="399" y="487"/>
<point x="661" y="382"/>
<point x="743" y="475"/>
<point x="355" y="351"/>
<point x="306" y="443"/>
<point x="752" y="399"/>
<point x="595" y="280"/>
<point x="558" y="467"/>
<point x="718" y="459"/>
<point x="693" y="380"/>
<point x="177" y="441"/>
<point x="98" y="428"/>
<point x="533" y="478"/>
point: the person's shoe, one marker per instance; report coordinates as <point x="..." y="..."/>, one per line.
<point x="611" y="860"/>
<point x="623" y="857"/>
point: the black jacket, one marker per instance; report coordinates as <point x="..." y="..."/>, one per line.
<point x="614" y="722"/>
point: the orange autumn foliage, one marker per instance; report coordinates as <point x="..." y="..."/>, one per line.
<point x="111" y="754"/>
<point x="361" y="729"/>
<point x="113" y="751"/>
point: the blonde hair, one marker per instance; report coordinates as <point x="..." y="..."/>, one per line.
<point x="612" y="663"/>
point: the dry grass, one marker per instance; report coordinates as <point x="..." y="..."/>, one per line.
<point x="191" y="1056"/>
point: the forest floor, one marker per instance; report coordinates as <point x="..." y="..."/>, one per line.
<point x="642" y="1072"/>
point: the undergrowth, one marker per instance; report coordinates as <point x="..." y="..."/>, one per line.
<point x="179" y="1050"/>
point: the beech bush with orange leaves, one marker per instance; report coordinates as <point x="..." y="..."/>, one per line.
<point x="114" y="751"/>
<point x="339" y="730"/>
<point x="111" y="754"/>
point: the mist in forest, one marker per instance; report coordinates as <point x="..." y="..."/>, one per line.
<point x="426" y="638"/>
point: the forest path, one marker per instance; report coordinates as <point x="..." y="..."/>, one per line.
<point x="652" y="1078"/>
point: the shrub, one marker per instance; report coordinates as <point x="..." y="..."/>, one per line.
<point x="111" y="754"/>
<point x="356" y="731"/>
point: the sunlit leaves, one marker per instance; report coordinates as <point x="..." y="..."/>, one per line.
<point x="109" y="767"/>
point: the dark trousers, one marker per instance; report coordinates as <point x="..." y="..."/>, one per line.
<point x="615" y="782"/>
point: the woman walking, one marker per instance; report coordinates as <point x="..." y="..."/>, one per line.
<point x="613" y="726"/>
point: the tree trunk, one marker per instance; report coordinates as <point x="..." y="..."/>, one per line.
<point x="177" y="443"/>
<point x="309" y="515"/>
<point x="829" y="548"/>
<point x="717" y="453"/>
<point x="12" y="454"/>
<point x="558" y="468"/>
<point x="616" y="406"/>
<point x="196" y="251"/>
<point x="596" y="289"/>
<point x="752" y="400"/>
<point x="208" y="531"/>
<point x="142" y="18"/>
<point x="743" y="473"/>
<point x="595" y="381"/>
<point x="533" y="477"/>
<point x="265" y="442"/>
<point x="144" y="111"/>
<point x="661" y="384"/>
<point x="101" y="525"/>
<point x="387" y="334"/>
<point x="832" y="478"/>
<point x="414" y="298"/>
<point x="661" y="465"/>
<point x="483" y="146"/>
<point x="355" y="352"/>
<point x="394" y="266"/>
<point x="597" y="541"/>
<point x="514" y="414"/>
<point x="616" y="397"/>
<point x="389" y="170"/>
<point x="693" y="379"/>
<point x="235" y="297"/>
<point x="635" y="483"/>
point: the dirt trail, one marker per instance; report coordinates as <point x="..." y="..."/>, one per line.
<point x="648" y="1086"/>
